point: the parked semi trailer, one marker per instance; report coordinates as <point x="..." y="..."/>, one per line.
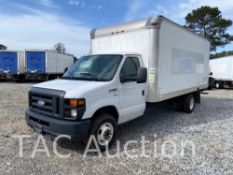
<point x="12" y="65"/>
<point x="45" y="64"/>
<point x="222" y="71"/>
<point x="151" y="60"/>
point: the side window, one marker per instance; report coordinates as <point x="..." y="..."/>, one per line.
<point x="130" y="68"/>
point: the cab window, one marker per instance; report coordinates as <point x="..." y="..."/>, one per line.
<point x="130" y="68"/>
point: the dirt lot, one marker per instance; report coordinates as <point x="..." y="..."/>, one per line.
<point x="209" y="128"/>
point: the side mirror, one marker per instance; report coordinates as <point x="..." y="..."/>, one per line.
<point x="211" y="73"/>
<point x="142" y="75"/>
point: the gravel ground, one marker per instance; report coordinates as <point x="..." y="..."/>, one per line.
<point x="208" y="132"/>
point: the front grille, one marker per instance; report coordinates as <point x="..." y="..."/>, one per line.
<point x="45" y="104"/>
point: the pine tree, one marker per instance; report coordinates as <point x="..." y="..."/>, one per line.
<point x="208" y="21"/>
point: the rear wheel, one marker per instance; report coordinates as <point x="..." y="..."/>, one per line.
<point x="186" y="103"/>
<point x="180" y="104"/>
<point x="104" y="129"/>
<point x="189" y="103"/>
<point x="218" y="85"/>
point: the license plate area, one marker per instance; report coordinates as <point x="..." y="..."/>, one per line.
<point x="38" y="128"/>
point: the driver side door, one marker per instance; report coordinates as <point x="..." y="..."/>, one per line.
<point x="132" y="94"/>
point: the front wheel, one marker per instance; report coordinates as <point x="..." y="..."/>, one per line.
<point x="104" y="129"/>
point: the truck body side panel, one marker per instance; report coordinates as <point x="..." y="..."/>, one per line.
<point x="57" y="62"/>
<point x="51" y="62"/>
<point x="183" y="62"/>
<point x="35" y="62"/>
<point x="9" y="62"/>
<point x="222" y="68"/>
<point x="21" y="62"/>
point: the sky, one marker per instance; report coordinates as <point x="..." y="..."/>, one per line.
<point x="40" y="24"/>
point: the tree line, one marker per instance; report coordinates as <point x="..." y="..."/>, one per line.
<point x="221" y="54"/>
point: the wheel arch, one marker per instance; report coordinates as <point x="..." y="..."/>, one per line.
<point x="197" y="96"/>
<point x="107" y="109"/>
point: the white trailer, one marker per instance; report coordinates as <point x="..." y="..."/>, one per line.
<point x="177" y="60"/>
<point x="46" y="64"/>
<point x="222" y="71"/>
<point x="12" y="65"/>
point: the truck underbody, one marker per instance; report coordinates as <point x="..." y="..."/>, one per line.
<point x="41" y="77"/>
<point x="223" y="84"/>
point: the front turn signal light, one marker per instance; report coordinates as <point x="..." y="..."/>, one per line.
<point x="81" y="102"/>
<point x="77" y="102"/>
<point x="74" y="103"/>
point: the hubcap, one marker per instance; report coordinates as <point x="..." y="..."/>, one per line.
<point x="105" y="134"/>
<point x="192" y="102"/>
<point x="217" y="85"/>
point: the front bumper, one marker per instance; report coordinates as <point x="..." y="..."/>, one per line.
<point x="76" y="129"/>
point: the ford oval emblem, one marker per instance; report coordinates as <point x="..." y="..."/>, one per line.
<point x="41" y="103"/>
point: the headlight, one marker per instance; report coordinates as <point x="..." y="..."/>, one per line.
<point x="74" y="113"/>
<point x="74" y="109"/>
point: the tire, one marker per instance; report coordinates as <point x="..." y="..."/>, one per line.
<point x="180" y="105"/>
<point x="104" y="124"/>
<point x="189" y="103"/>
<point x="217" y="85"/>
<point x="19" y="79"/>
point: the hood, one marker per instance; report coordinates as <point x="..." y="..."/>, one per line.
<point x="73" y="88"/>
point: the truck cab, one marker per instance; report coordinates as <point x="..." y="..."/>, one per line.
<point x="95" y="94"/>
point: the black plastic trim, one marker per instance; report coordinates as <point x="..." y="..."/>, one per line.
<point x="55" y="94"/>
<point x="76" y="129"/>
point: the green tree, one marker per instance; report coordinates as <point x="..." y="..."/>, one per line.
<point x="208" y="21"/>
<point x="60" y="47"/>
<point x="2" y="47"/>
<point x="221" y="54"/>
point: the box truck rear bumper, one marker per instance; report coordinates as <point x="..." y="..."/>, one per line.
<point x="36" y="76"/>
<point x="78" y="130"/>
<point x="6" y="76"/>
<point x="3" y="76"/>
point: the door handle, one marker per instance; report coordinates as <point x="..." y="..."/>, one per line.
<point x="113" y="90"/>
<point x="143" y="92"/>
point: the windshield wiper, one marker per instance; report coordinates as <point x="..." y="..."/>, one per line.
<point x="89" y="75"/>
<point x="67" y="78"/>
<point x="86" y="73"/>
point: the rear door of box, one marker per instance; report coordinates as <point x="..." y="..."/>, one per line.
<point x="8" y="62"/>
<point x="35" y="61"/>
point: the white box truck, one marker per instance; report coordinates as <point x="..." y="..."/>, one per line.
<point x="222" y="71"/>
<point x="46" y="64"/>
<point x="130" y="64"/>
<point x="12" y="65"/>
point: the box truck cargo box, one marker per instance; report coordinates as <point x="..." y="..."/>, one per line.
<point x="44" y="65"/>
<point x="130" y="64"/>
<point x="177" y="60"/>
<point x="12" y="65"/>
<point x="222" y="71"/>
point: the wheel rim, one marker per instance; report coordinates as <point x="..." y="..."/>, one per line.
<point x="192" y="102"/>
<point x="105" y="134"/>
<point x="217" y="85"/>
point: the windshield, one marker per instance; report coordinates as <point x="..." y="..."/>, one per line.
<point x="94" y="67"/>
